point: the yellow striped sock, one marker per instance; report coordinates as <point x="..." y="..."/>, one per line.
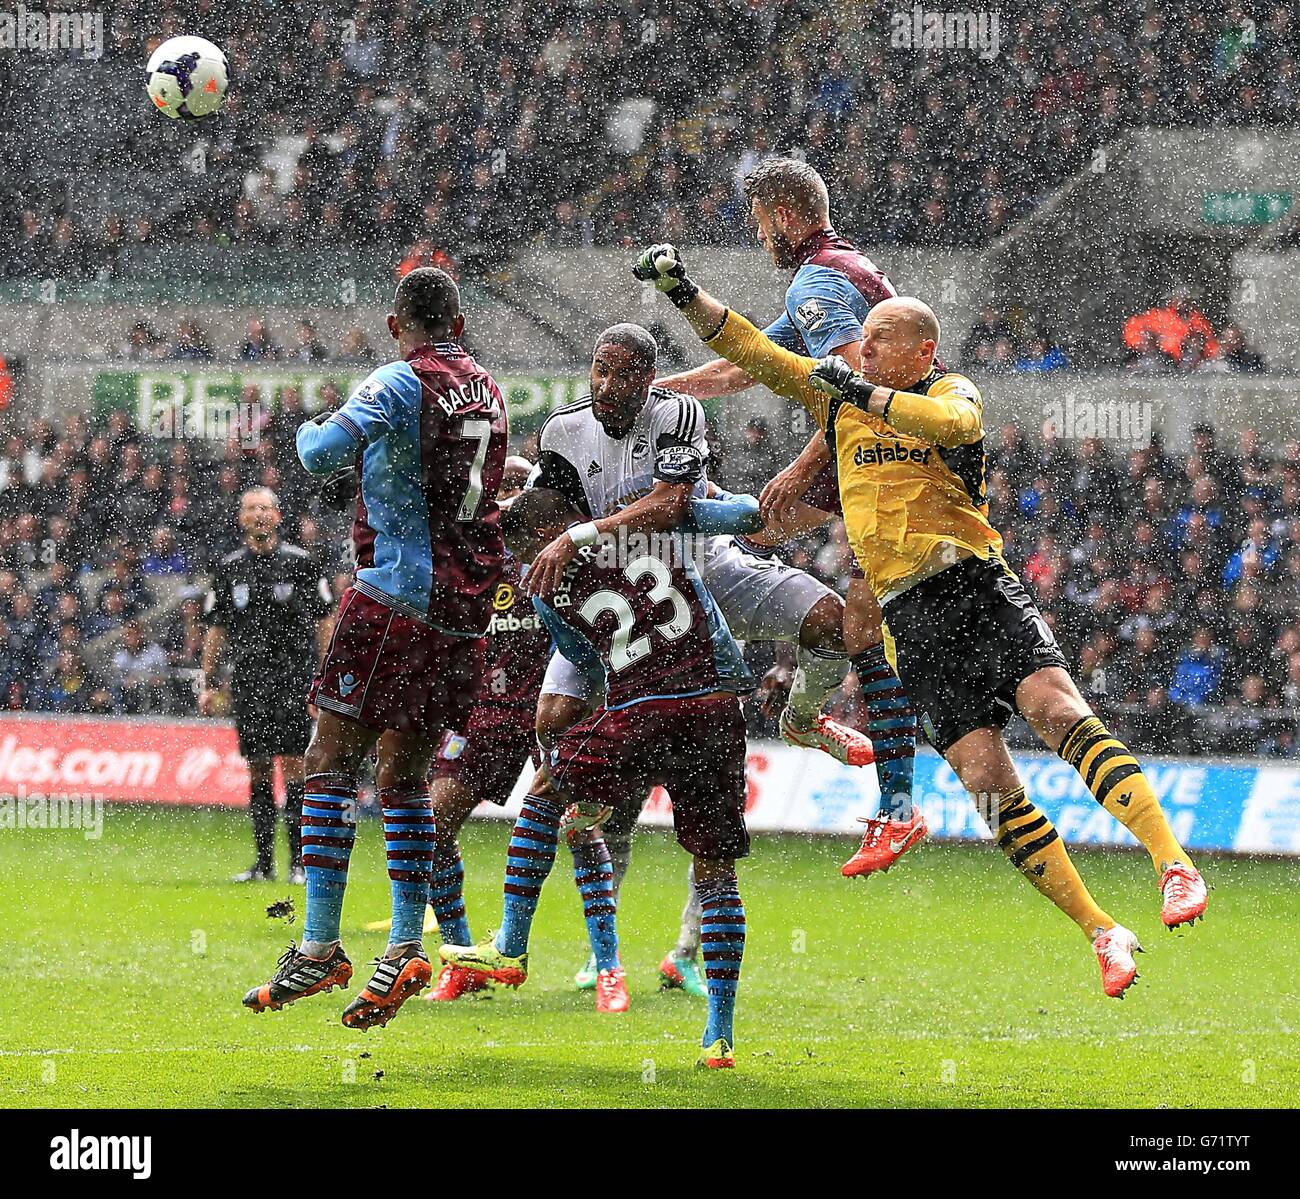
<point x="1116" y="781"/>
<point x="1034" y="847"/>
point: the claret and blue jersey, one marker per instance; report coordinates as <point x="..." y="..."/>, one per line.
<point x="829" y="297"/>
<point x="430" y="435"/>
<point x="649" y="623"/>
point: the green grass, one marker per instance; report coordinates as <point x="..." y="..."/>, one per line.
<point x="947" y="983"/>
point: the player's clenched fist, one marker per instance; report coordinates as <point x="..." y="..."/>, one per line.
<point x="833" y="375"/>
<point x="662" y="265"/>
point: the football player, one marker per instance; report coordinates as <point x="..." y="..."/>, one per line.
<point x="671" y="716"/>
<point x="407" y="648"/>
<point x="968" y="642"/>
<point x="833" y="288"/>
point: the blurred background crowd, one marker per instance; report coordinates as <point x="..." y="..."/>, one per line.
<point x="1172" y="582"/>
<point x="461" y="128"/>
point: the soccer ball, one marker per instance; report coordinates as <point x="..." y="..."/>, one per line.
<point x="187" y="77"/>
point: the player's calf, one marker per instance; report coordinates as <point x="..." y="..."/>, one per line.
<point x="722" y="943"/>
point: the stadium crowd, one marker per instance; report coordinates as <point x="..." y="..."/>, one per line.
<point x="1172" y="582"/>
<point x="476" y="126"/>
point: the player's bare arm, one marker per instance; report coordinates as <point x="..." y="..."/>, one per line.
<point x="664" y="508"/>
<point x="214" y="643"/>
<point x="712" y="379"/>
<point x="781" y="495"/>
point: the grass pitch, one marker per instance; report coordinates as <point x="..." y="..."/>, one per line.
<point x="948" y="982"/>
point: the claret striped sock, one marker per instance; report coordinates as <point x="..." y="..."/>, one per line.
<point x="593" y="872"/>
<point x="409" y="828"/>
<point x="329" y="827"/>
<point x="447" y="893"/>
<point x="528" y="861"/>
<point x="722" y="945"/>
<point x="892" y="729"/>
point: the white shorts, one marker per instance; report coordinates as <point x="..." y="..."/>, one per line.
<point x="564" y="678"/>
<point x="762" y="599"/>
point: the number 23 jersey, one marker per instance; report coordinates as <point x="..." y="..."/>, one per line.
<point x="650" y="623"/>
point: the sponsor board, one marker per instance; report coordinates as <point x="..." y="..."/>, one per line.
<point x="1211" y="805"/>
<point x="141" y="761"/>
<point x="172" y="401"/>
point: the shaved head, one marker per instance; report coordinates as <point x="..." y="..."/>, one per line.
<point x="636" y="340"/>
<point x="514" y="478"/>
<point x="899" y="340"/>
<point x="916" y="314"/>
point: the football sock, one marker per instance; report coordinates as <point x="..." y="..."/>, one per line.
<point x="409" y="829"/>
<point x="688" y="940"/>
<point x="447" y="893"/>
<point x="619" y="845"/>
<point x="722" y="936"/>
<point x="528" y="861"/>
<point x="594" y="874"/>
<point x="891" y="725"/>
<point x="1034" y="847"/>
<point x="1116" y="781"/>
<point x="819" y="673"/>
<point x="329" y="826"/>
<point x="293" y="792"/>
<point x="261" y="810"/>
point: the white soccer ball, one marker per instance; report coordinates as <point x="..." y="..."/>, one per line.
<point x="187" y="77"/>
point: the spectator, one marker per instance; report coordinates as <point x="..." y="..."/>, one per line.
<point x="190" y="343"/>
<point x="70" y="686"/>
<point x="139" y="679"/>
<point x="308" y="347"/>
<point x="165" y="557"/>
<point x="258" y="344"/>
<point x="1198" y="671"/>
<point x="1171" y="326"/>
<point x="1041" y="358"/>
<point x="357" y="349"/>
<point x="1237" y="354"/>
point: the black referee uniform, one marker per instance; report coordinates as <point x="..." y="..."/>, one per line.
<point x="269" y="606"/>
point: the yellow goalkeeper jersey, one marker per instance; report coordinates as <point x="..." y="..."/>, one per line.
<point x="912" y="489"/>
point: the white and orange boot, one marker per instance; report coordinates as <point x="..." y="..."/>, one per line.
<point x="884" y="842"/>
<point x="611" y="991"/>
<point x="1184" y="894"/>
<point x="1115" y="949"/>
<point x="841" y="742"/>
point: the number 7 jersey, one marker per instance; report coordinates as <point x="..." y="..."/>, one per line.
<point x="647" y="619"/>
<point x="432" y="431"/>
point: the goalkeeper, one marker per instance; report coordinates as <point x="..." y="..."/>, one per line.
<point x="966" y="639"/>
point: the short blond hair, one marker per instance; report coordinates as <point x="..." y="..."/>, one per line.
<point x="790" y="182"/>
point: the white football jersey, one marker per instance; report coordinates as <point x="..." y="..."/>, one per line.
<point x="601" y="474"/>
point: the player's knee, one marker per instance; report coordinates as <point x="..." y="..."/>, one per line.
<point x="823" y="627"/>
<point x="452" y="803"/>
<point x="862" y="620"/>
<point x="709" y="872"/>
<point x="1051" y="704"/>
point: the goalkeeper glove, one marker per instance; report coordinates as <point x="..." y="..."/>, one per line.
<point x="662" y="265"/>
<point x="837" y="378"/>
<point x="339" y="489"/>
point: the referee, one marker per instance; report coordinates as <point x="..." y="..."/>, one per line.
<point x="268" y="600"/>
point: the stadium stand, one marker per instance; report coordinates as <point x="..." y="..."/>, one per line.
<point x="1173" y="581"/>
<point x="469" y="127"/>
